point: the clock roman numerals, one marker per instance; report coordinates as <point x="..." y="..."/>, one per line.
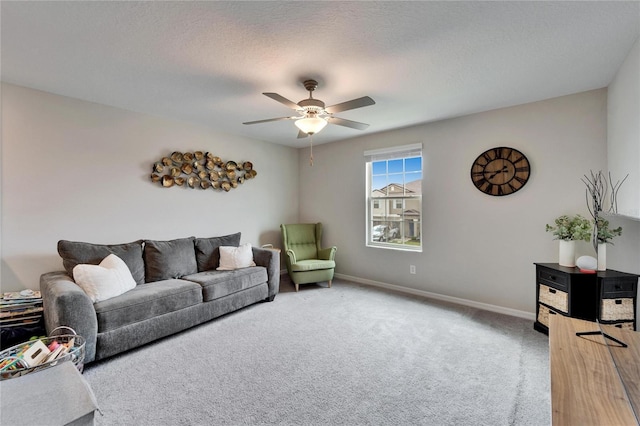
<point x="500" y="171"/>
<point x="521" y="180"/>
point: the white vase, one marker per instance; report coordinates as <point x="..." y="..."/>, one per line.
<point x="567" y="253"/>
<point x="602" y="257"/>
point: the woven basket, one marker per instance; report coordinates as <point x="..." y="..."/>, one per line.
<point x="555" y="298"/>
<point x="622" y="325"/>
<point x="617" y="309"/>
<point x="543" y="315"/>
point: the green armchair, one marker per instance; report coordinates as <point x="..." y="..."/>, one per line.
<point x="306" y="261"/>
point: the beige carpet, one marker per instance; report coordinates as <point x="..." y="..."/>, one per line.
<point x="352" y="355"/>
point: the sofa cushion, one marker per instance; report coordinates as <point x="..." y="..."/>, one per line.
<point x="216" y="284"/>
<point x="146" y="301"/>
<point x="208" y="252"/>
<point x="109" y="279"/>
<point x="74" y="253"/>
<point x="164" y="260"/>
<point x="312" y="265"/>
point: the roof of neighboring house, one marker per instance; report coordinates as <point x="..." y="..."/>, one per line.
<point x="413" y="187"/>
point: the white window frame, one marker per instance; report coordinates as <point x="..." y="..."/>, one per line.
<point x="371" y="156"/>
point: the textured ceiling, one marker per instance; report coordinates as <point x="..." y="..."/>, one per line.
<point x="209" y="62"/>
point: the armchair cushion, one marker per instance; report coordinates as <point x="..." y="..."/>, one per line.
<point x="312" y="265"/>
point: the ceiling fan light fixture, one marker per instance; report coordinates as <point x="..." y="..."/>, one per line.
<point x="311" y="125"/>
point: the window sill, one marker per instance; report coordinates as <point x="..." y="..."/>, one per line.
<point x="395" y="247"/>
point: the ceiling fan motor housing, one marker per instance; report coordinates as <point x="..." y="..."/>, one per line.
<point x="314" y="106"/>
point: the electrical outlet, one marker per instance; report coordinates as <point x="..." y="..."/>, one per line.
<point x="412" y="269"/>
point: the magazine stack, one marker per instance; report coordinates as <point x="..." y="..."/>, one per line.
<point x="20" y="308"/>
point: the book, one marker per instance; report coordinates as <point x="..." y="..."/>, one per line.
<point x="11" y="307"/>
<point x="21" y="323"/>
<point x="23" y="320"/>
<point x="21" y="312"/>
<point x="22" y="295"/>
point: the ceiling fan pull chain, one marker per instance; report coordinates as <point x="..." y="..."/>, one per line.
<point x="311" y="151"/>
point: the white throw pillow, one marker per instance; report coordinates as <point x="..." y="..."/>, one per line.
<point x="235" y="257"/>
<point x="110" y="278"/>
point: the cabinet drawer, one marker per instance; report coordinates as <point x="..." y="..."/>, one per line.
<point x="615" y="288"/>
<point x="553" y="279"/>
<point x="617" y="309"/>
<point x="553" y="297"/>
<point x="543" y="315"/>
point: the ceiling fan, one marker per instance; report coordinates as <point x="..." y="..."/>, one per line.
<point x="313" y="115"/>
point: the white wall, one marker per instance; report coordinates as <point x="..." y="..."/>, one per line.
<point x="476" y="247"/>
<point x="624" y="157"/>
<point x="624" y="132"/>
<point x="80" y="171"/>
<point x="77" y="170"/>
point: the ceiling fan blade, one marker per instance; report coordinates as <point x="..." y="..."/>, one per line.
<point x="347" y="123"/>
<point x="283" y="100"/>
<point x="352" y="104"/>
<point x="301" y="134"/>
<point x="270" y="119"/>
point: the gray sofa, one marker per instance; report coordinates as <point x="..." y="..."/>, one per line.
<point x="177" y="287"/>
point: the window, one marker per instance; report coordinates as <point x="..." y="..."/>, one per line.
<point x="394" y="197"/>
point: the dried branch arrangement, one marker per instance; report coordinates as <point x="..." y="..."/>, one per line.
<point x="597" y="190"/>
<point x="596" y="196"/>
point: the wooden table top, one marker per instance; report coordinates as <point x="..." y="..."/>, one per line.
<point x="586" y="388"/>
<point x="627" y="361"/>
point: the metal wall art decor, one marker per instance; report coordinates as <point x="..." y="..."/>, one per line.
<point x="201" y="170"/>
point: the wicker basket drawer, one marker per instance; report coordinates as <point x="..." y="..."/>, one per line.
<point x="617" y="309"/>
<point x="543" y="315"/>
<point x="555" y="298"/>
<point x="627" y="325"/>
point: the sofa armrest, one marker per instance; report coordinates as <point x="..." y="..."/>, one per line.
<point x="328" y="253"/>
<point x="270" y="259"/>
<point x="66" y="304"/>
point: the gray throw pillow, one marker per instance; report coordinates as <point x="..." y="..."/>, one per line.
<point x="164" y="260"/>
<point x="208" y="250"/>
<point x="74" y="253"/>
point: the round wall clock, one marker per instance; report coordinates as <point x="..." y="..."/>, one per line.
<point x="500" y="171"/>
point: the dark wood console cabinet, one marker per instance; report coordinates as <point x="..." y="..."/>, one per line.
<point x="607" y="296"/>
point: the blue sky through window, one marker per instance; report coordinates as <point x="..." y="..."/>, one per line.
<point x="398" y="171"/>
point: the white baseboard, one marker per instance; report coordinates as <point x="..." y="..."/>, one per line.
<point x="451" y="299"/>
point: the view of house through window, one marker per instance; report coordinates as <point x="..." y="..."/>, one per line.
<point x="394" y="197"/>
